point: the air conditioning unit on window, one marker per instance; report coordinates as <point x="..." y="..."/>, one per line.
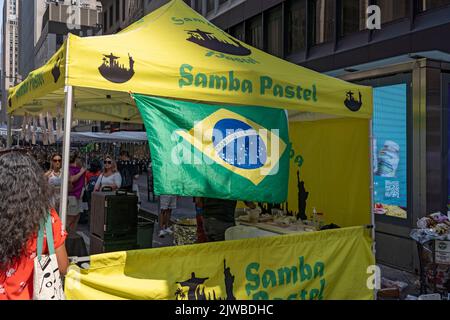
<point x="85" y="4"/>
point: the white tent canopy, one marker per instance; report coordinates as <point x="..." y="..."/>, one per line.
<point x="122" y="136"/>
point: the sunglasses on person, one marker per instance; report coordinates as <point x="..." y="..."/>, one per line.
<point x="57" y="160"/>
<point x="107" y="162"/>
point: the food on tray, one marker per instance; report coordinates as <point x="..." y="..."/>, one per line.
<point x="187" y="222"/>
<point x="244" y="218"/>
<point x="285" y="221"/>
<point x="262" y="218"/>
<point x="253" y="214"/>
<point x="265" y="217"/>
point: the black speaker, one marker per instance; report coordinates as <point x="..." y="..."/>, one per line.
<point x="98" y="246"/>
<point x="114" y="215"/>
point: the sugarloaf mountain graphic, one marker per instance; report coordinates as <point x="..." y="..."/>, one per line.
<point x="351" y="103"/>
<point x="196" y="287"/>
<point x="115" y="72"/>
<point x="210" y="41"/>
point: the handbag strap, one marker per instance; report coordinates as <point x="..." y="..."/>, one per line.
<point x="47" y="223"/>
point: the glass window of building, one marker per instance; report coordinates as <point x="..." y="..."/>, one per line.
<point x="117" y="10"/>
<point x="222" y="2"/>
<point x="210" y="5"/>
<point x="425" y="5"/>
<point x="238" y="31"/>
<point x="296" y="26"/>
<point x="111" y="16"/>
<point x="123" y="9"/>
<point x="198" y="6"/>
<point x="275" y="32"/>
<point x="105" y="18"/>
<point x="353" y="16"/>
<point x="393" y="10"/>
<point x="255" y="32"/>
<point x="323" y="20"/>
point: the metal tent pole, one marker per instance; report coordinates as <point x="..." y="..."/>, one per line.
<point x="9" y="132"/>
<point x="66" y="153"/>
<point x="372" y="200"/>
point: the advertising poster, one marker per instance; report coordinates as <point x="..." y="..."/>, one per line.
<point x="390" y="151"/>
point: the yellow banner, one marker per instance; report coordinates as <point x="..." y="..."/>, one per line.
<point x="177" y="53"/>
<point x="324" y="265"/>
<point x="332" y="158"/>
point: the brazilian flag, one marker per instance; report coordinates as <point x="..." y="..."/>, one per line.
<point x="224" y="152"/>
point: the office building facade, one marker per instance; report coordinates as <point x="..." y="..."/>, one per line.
<point x="119" y="14"/>
<point x="60" y="18"/>
<point x="10" y="51"/>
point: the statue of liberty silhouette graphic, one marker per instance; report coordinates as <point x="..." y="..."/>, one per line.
<point x="229" y="281"/>
<point x="302" y="197"/>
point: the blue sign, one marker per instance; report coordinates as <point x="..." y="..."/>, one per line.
<point x="390" y="146"/>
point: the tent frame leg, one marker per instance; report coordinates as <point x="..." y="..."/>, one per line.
<point x="69" y="102"/>
<point x="372" y="200"/>
<point x="9" y="132"/>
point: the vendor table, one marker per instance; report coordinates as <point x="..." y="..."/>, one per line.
<point x="277" y="229"/>
<point x="245" y="230"/>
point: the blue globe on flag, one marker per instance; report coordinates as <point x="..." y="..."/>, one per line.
<point x="238" y="144"/>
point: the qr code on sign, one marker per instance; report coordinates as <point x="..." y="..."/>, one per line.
<point x="392" y="189"/>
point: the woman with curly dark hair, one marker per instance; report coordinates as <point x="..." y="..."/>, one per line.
<point x="24" y="203"/>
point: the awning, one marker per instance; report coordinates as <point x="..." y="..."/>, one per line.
<point x="175" y="52"/>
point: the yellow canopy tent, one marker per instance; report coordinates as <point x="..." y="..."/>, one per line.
<point x="175" y="52"/>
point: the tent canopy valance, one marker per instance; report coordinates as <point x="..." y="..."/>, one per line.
<point x="175" y="52"/>
<point x="121" y="136"/>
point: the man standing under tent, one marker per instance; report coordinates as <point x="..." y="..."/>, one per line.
<point x="218" y="216"/>
<point x="128" y="171"/>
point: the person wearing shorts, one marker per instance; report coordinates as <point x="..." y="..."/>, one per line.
<point x="74" y="201"/>
<point x="167" y="204"/>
